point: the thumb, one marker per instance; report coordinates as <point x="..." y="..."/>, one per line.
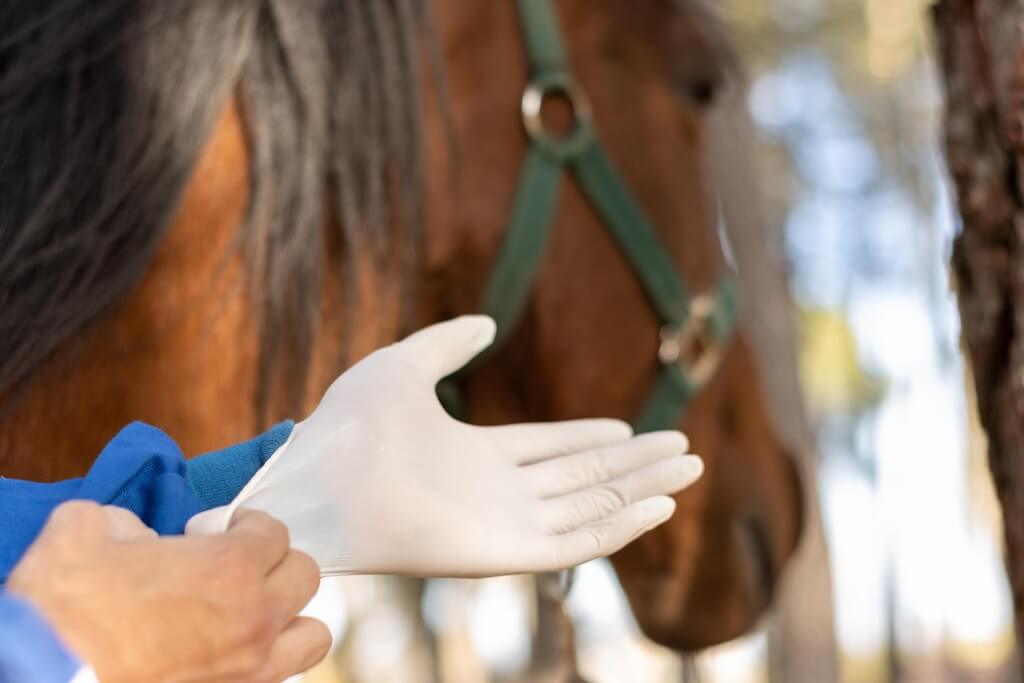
<point x="443" y="348"/>
<point x="214" y="521"/>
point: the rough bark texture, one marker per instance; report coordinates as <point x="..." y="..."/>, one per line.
<point x="801" y="629"/>
<point x="980" y="48"/>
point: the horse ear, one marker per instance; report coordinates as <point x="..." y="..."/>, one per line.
<point x="446" y="347"/>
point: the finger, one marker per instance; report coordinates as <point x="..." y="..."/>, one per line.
<point x="526" y="444"/>
<point x="214" y="521"/>
<point x="125" y="526"/>
<point x="292" y="584"/>
<point x="83" y="520"/>
<point x="264" y="539"/>
<point x="572" y="511"/>
<point x="444" y="348"/>
<point x="609" y="535"/>
<point x="566" y="474"/>
<point x="299" y="648"/>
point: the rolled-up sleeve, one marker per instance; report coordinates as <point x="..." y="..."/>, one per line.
<point x="142" y="470"/>
<point x="216" y="478"/>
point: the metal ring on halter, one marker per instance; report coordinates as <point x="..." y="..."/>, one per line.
<point x="572" y="144"/>
<point x="693" y="345"/>
<point x="556" y="586"/>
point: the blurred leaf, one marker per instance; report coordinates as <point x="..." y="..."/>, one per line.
<point x="833" y="379"/>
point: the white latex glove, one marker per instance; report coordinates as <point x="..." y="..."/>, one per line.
<point x="381" y="480"/>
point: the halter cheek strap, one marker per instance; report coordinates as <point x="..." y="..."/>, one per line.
<point x="694" y="330"/>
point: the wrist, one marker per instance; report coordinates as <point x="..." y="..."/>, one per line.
<point x="216" y="478"/>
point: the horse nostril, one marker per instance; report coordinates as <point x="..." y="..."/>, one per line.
<point x="756" y="556"/>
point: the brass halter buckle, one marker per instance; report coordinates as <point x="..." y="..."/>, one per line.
<point x="567" y="146"/>
<point x="693" y="346"/>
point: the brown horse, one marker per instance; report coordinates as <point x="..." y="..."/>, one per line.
<point x="208" y="210"/>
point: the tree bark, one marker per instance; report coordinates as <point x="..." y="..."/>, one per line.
<point x="980" y="50"/>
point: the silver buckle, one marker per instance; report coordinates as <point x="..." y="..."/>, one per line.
<point x="692" y="346"/>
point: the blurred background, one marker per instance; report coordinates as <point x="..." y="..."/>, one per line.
<point x="846" y="101"/>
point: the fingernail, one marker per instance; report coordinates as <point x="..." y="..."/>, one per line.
<point x="609" y="428"/>
<point x="686" y="441"/>
<point x="486" y="329"/>
<point x="619" y="428"/>
<point x="660" y="508"/>
<point x="693" y="466"/>
<point x="677" y="439"/>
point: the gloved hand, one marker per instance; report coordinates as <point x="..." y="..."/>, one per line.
<point x="381" y="480"/>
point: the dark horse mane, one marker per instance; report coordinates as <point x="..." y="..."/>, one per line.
<point x="105" y="107"/>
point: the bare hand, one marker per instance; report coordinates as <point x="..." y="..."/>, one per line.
<point x="142" y="609"/>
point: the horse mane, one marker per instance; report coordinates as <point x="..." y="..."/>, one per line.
<point x="106" y="106"/>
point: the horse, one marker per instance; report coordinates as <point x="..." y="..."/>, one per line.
<point x="209" y="209"/>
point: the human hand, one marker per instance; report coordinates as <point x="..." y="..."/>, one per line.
<point x="379" y="479"/>
<point x="141" y="609"/>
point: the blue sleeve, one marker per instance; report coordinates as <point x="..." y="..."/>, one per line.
<point x="216" y="478"/>
<point x="142" y="470"/>
<point x="29" y="649"/>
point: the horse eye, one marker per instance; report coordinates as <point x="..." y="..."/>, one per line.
<point x="702" y="92"/>
<point x="699" y="80"/>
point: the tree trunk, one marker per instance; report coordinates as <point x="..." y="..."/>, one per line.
<point x="801" y="631"/>
<point x="980" y="48"/>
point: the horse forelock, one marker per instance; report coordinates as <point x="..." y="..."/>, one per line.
<point x="105" y="108"/>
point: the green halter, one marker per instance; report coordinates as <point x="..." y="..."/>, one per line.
<point x="694" y="330"/>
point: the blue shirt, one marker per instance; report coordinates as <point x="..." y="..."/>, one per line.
<point x="142" y="470"/>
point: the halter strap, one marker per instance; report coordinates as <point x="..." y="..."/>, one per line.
<point x="694" y="330"/>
